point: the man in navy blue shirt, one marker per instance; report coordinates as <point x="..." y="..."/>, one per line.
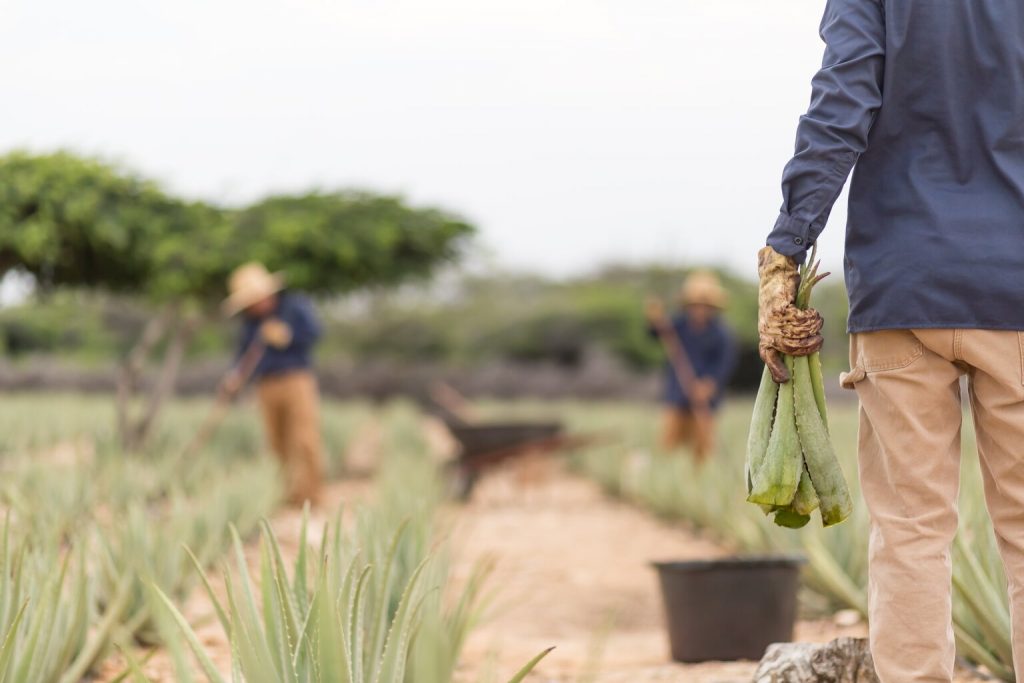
<point x="281" y="327"/>
<point x="924" y="101"/>
<point x="708" y="353"/>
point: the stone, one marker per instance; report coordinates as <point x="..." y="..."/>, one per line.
<point x="844" y="660"/>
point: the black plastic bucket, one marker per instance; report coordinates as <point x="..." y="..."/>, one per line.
<point x="729" y="609"/>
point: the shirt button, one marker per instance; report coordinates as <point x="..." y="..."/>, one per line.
<point x="798" y="241"/>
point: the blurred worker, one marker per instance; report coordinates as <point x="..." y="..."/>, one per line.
<point x="282" y="327"/>
<point x="927" y="99"/>
<point x="701" y="356"/>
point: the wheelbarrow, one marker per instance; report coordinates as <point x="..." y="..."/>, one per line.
<point x="486" y="445"/>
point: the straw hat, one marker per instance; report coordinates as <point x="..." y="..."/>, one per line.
<point x="250" y="284"/>
<point x="703" y="287"/>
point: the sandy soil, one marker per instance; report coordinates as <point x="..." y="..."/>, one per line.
<point x="573" y="571"/>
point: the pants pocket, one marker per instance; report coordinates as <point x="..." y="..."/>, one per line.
<point x="848" y="380"/>
<point x="886" y="350"/>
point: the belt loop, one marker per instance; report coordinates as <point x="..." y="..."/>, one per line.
<point x="958" y="341"/>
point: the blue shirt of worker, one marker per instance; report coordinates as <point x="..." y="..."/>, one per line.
<point x="711" y="352"/>
<point x="927" y="99"/>
<point x="297" y="312"/>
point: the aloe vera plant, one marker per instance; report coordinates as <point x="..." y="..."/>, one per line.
<point x="792" y="468"/>
<point x="87" y="528"/>
<point x="324" y="621"/>
<point x="148" y="541"/>
<point x="365" y="606"/>
<point x="50" y="631"/>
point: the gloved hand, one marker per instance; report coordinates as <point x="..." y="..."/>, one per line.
<point x="654" y="311"/>
<point x="276" y="333"/>
<point x="781" y="326"/>
<point x="704" y="389"/>
<point x="231" y="384"/>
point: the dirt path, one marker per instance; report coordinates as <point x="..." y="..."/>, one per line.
<point x="573" y="571"/>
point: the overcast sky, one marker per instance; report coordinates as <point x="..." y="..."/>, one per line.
<point x="574" y="133"/>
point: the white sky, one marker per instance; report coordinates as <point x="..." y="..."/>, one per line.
<point x="573" y="132"/>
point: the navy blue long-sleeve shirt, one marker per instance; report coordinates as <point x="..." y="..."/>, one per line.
<point x="297" y="312"/>
<point x="926" y="97"/>
<point x="712" y="353"/>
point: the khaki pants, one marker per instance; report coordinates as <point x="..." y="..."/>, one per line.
<point x="291" y="416"/>
<point x="680" y="427"/>
<point x="908" y="382"/>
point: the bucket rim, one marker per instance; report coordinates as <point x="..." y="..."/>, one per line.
<point x="730" y="562"/>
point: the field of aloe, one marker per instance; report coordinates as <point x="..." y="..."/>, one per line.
<point x="712" y="500"/>
<point x="100" y="550"/>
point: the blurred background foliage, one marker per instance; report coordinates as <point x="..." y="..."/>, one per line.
<point x="106" y="250"/>
<point x="464" y="321"/>
<point x="83" y="223"/>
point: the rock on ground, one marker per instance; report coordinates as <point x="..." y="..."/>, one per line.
<point x="844" y="660"/>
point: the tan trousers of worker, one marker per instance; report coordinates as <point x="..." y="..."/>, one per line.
<point x="291" y="414"/>
<point x="681" y="427"/>
<point x="908" y="382"/>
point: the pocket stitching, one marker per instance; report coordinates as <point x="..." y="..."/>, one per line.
<point x="1020" y="349"/>
<point x="897" y="363"/>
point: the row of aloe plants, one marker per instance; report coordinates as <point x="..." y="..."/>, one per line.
<point x="83" y="540"/>
<point x="87" y="529"/>
<point x="711" y="499"/>
<point x="372" y="601"/>
<point x="99" y="550"/>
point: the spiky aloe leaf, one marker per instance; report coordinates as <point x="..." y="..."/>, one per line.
<point x="218" y="608"/>
<point x="976" y="652"/>
<point x="332" y="651"/>
<point x="7" y="649"/>
<point x="379" y="623"/>
<point x="190" y="637"/>
<point x="525" y="671"/>
<point x="273" y="621"/>
<point x="101" y="635"/>
<point x="248" y="641"/>
<point x="396" y="645"/>
<point x="284" y="599"/>
<point x="300" y="586"/>
<point x="822" y="465"/>
<point x="761" y="426"/>
<point x="355" y="633"/>
<point x="984" y="600"/>
<point x="775" y="482"/>
<point x="133" y="669"/>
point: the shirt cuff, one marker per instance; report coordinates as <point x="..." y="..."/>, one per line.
<point x="790" y="237"/>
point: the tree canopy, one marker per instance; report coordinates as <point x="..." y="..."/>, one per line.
<point x="345" y="240"/>
<point x="80" y="222"/>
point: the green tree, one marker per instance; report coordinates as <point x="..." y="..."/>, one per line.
<point x="77" y="222"/>
<point x="340" y="241"/>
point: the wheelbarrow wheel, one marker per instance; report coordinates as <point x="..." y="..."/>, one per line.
<point x="461" y="481"/>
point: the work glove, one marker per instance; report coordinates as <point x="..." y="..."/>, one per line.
<point x="782" y="327"/>
<point x="704" y="389"/>
<point x="231" y="384"/>
<point x="276" y="333"/>
<point x="654" y="311"/>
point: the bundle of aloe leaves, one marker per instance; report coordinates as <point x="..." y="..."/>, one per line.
<point x="791" y="468"/>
